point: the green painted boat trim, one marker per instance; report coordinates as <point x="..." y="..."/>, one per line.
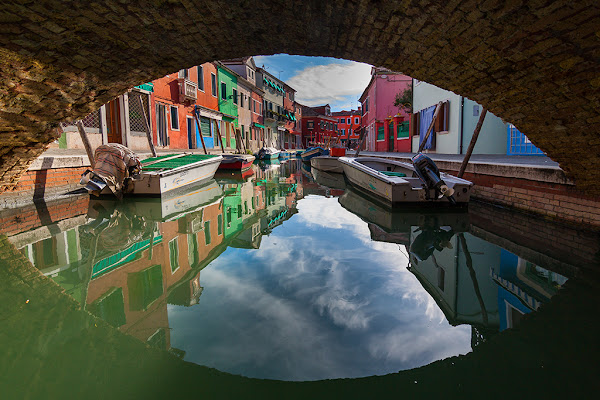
<point x="178" y="162"/>
<point x="392" y="173"/>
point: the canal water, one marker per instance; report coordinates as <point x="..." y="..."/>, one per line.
<point x="283" y="273"/>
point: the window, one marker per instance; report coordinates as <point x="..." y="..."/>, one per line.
<point x="220" y="224"/>
<point x="349" y="131"/>
<point x="343" y="131"/>
<point x="254" y="105"/>
<point x="174" y="118"/>
<point x="207" y="232"/>
<point x="381" y="133"/>
<point x="356" y="121"/>
<point x="223" y="91"/>
<point x="235" y="100"/>
<point x="310" y="125"/>
<point x="184" y="73"/>
<point x="349" y="121"/>
<point x="213" y="84"/>
<point x="174" y="254"/>
<point x="201" y="77"/>
<point x="241" y="100"/>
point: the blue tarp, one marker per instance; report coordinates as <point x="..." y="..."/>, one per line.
<point x="426" y="115"/>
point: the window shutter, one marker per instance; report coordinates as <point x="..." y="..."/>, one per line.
<point x="413" y="124"/>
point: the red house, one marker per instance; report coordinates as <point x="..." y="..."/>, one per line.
<point x="319" y="128"/>
<point x="349" y="123"/>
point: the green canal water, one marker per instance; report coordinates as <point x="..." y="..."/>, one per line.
<point x="286" y="274"/>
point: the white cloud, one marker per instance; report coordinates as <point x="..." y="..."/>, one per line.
<point x="331" y="83"/>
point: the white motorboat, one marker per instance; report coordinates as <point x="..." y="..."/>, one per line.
<point x="327" y="164"/>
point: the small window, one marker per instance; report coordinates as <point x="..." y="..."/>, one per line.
<point x="174" y="118"/>
<point x="235" y="99"/>
<point x="223" y="91"/>
<point x="343" y="131"/>
<point x="220" y="224"/>
<point x="213" y="84"/>
<point x="355" y="120"/>
<point x="349" y="121"/>
<point x="310" y="125"/>
<point x="201" y="77"/>
<point x="254" y="105"/>
<point x="241" y="100"/>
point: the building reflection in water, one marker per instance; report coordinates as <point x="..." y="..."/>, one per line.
<point x="127" y="260"/>
<point x="472" y="281"/>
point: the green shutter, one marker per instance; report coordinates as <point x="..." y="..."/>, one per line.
<point x="381" y="133"/>
<point x="403" y="130"/>
<point x="205" y="126"/>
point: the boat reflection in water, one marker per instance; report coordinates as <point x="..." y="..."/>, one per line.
<point x="125" y="261"/>
<point x="472" y="281"/>
<point x="329" y="179"/>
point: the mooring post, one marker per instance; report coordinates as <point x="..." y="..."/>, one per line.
<point x="435" y="114"/>
<point x="86" y="142"/>
<point x="200" y="132"/>
<point x="463" y="166"/>
<point x="147" y="125"/>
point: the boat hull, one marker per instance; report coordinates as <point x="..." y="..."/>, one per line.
<point x="238" y="162"/>
<point x="315" y="152"/>
<point x="160" y="182"/>
<point x="327" y="164"/>
<point x="399" y="190"/>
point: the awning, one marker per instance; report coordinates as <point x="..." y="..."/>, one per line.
<point x="210" y="114"/>
<point x="259" y="125"/>
<point x="229" y="118"/>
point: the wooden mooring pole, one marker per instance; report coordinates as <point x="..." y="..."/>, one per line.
<point x="463" y="166"/>
<point x="361" y="140"/>
<point x="86" y="142"/>
<point x="435" y="114"/>
<point x="200" y="132"/>
<point x="147" y="125"/>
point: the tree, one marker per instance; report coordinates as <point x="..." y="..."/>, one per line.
<point x="403" y="100"/>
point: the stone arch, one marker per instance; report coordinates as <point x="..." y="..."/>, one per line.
<point x="535" y="63"/>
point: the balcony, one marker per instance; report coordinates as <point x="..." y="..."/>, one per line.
<point x="188" y="90"/>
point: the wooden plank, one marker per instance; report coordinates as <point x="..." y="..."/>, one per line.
<point x="147" y="125"/>
<point x="463" y="166"/>
<point x="435" y="114"/>
<point x="219" y="135"/>
<point x="86" y="143"/>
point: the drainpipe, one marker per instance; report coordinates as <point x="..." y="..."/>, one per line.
<point x="460" y="128"/>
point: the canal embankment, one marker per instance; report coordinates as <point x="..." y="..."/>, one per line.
<point x="533" y="184"/>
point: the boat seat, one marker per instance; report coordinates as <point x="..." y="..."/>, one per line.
<point x="392" y="173"/>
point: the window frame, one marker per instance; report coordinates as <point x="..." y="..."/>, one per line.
<point x="200" y="71"/>
<point x="213" y="85"/>
<point x="171" y="108"/>
<point x="223" y="91"/>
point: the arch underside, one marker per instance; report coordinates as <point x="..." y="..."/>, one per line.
<point x="535" y="64"/>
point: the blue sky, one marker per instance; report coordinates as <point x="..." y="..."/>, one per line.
<point x="320" y="80"/>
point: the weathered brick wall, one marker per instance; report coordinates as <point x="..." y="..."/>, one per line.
<point x="553" y="200"/>
<point x="532" y="63"/>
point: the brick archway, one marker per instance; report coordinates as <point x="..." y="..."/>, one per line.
<point x="535" y="64"/>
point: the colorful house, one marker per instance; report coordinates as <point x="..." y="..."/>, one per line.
<point x="349" y="123"/>
<point x="291" y="138"/>
<point x="251" y="123"/>
<point x="455" y="123"/>
<point x="228" y="104"/>
<point x="386" y="124"/>
<point x="273" y="109"/>
<point x="207" y="108"/>
<point x="318" y="126"/>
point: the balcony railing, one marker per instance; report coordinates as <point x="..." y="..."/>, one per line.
<point x="188" y="90"/>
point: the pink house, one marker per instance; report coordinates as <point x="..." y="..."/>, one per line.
<point x="386" y="125"/>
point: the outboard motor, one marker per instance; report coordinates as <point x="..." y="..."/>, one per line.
<point x="429" y="174"/>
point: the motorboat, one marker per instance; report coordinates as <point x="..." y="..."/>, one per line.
<point x="399" y="182"/>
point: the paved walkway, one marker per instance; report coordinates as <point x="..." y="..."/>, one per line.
<point x="497" y="159"/>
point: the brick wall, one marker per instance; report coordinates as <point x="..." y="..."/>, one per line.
<point x="35" y="215"/>
<point x="553" y="200"/>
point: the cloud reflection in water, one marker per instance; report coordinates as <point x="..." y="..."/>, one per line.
<point x="318" y="300"/>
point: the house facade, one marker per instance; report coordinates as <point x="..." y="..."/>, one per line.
<point x="319" y="127"/>
<point x="455" y="123"/>
<point x="386" y="124"/>
<point x="228" y="104"/>
<point x="291" y="139"/>
<point x="273" y="108"/>
<point x="349" y="123"/>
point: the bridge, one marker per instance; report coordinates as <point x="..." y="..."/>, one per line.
<point x="532" y="63"/>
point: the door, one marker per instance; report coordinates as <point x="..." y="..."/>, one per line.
<point x="161" y="125"/>
<point x="391" y="136"/>
<point x="113" y="123"/>
<point x="191" y="133"/>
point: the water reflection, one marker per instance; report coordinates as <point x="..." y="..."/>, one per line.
<point x="301" y="284"/>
